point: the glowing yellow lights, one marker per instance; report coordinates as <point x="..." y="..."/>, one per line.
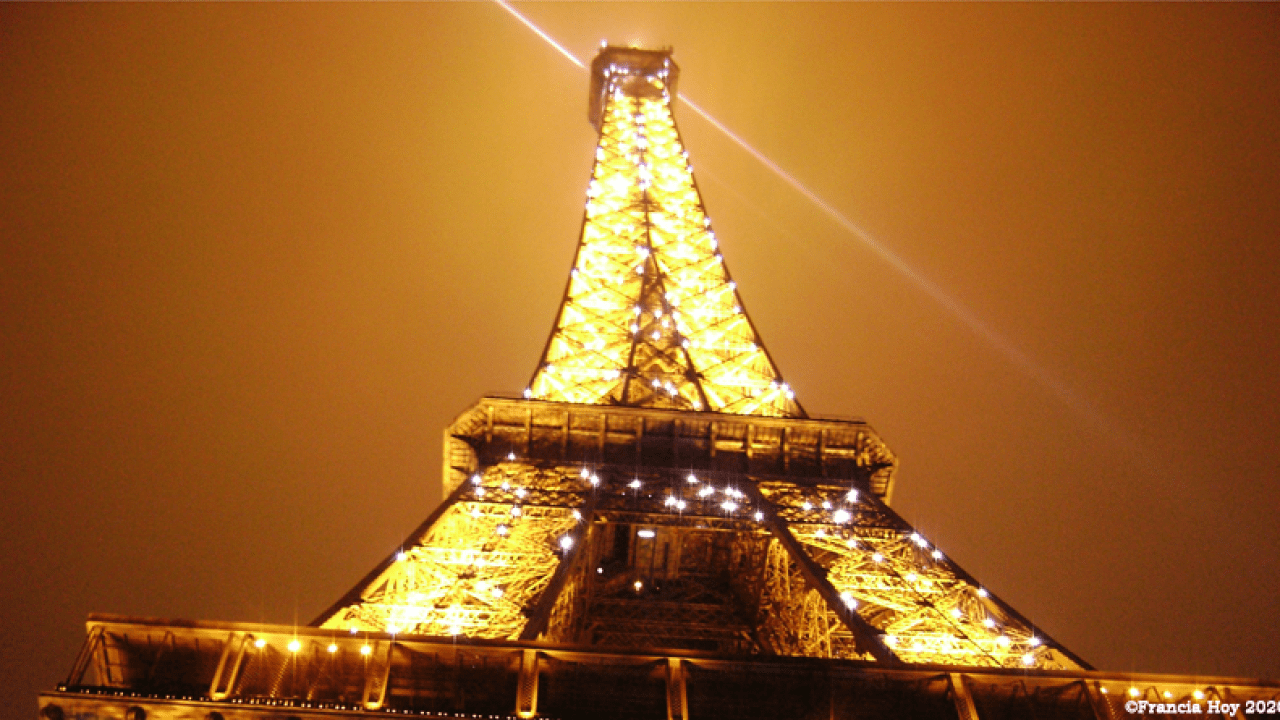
<point x="1197" y="695"/>
<point x="259" y="643"/>
<point x="477" y="575"/>
<point x="1167" y="694"/>
<point x="294" y="646"/>
<point x="333" y="647"/>
<point x="646" y="533"/>
<point x="365" y="650"/>
<point x="1133" y="692"/>
<point x="618" y="338"/>
<point x="1029" y="659"/>
<point x="841" y="516"/>
<point x="638" y="585"/>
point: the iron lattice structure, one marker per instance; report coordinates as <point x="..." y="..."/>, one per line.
<point x="655" y="530"/>
<point x="681" y="550"/>
<point x="650" y="317"/>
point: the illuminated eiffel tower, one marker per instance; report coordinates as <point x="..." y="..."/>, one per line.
<point x="659" y="485"/>
<point x="655" y="529"/>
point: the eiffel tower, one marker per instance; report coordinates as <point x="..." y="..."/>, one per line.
<point x="656" y="528"/>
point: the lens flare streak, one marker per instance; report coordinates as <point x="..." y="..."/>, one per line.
<point x="1015" y="356"/>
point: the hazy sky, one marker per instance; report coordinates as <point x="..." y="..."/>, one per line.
<point x="256" y="257"/>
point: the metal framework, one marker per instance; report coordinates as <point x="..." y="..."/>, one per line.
<point x="650" y="317"/>
<point x="655" y="529"/>
<point x="668" y="550"/>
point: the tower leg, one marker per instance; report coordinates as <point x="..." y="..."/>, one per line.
<point x="527" y="691"/>
<point x="677" y="698"/>
<point x="964" y="701"/>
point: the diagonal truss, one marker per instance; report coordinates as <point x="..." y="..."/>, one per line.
<point x="655" y="557"/>
<point x="651" y="317"/>
<point x="488" y="555"/>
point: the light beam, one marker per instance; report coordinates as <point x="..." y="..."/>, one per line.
<point x="1012" y="353"/>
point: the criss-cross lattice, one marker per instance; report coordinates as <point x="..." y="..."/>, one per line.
<point x="651" y="317"/>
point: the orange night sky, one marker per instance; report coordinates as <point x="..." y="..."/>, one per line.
<point x="255" y="257"/>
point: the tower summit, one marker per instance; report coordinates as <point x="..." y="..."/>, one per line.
<point x="655" y="529"/>
<point x="650" y="316"/>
